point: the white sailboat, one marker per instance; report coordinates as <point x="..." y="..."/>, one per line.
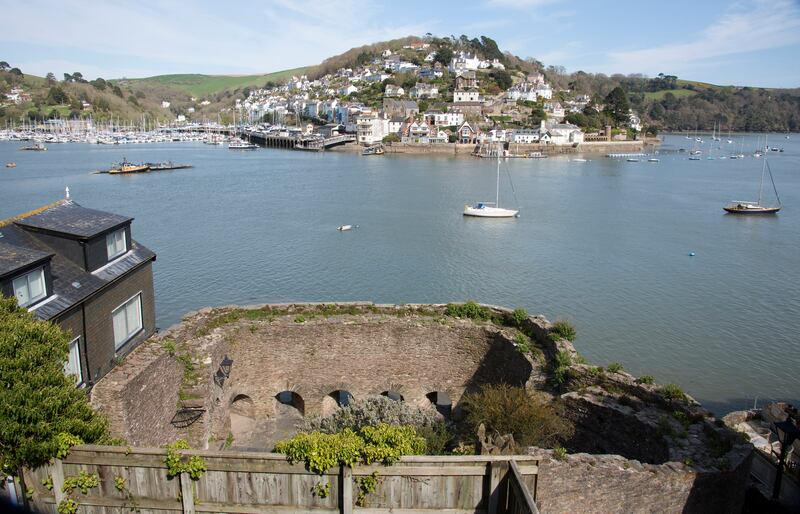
<point x="491" y="209"/>
<point x="750" y="207"/>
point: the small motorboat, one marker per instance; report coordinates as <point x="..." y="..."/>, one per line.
<point x="128" y="167"/>
<point x="343" y="228"/>
<point x="652" y="159"/>
<point x="11" y="165"/>
<point x="580" y="160"/>
<point x="632" y="159"/>
<point x="694" y="158"/>
<point x="373" y="150"/>
<point x="38" y="147"/>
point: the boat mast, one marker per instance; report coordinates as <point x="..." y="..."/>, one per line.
<point x="497" y="196"/>
<point x="761" y="184"/>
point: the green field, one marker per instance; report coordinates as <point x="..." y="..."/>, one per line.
<point x="658" y="95"/>
<point x="202" y="85"/>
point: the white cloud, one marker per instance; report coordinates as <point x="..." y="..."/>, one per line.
<point x="760" y="25"/>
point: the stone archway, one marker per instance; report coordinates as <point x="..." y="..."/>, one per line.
<point x="336" y="400"/>
<point x="241" y="413"/>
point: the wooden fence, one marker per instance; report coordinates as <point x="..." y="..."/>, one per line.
<point x="244" y="482"/>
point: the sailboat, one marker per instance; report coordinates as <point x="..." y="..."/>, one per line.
<point x="748" y="207"/>
<point x="491" y="209"/>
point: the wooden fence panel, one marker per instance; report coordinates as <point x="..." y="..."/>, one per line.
<point x="239" y="482"/>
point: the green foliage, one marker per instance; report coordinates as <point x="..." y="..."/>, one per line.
<point x="83" y="481"/>
<point x="119" y="483"/>
<point x="682" y="418"/>
<point x="532" y="419"/>
<point x="615" y="367"/>
<point x="321" y="490"/>
<point x="519" y="316"/>
<point x="382" y="443"/>
<point x="67" y="506"/>
<point x="470" y="310"/>
<point x="672" y="392"/>
<point x="47" y="483"/>
<point x="37" y="401"/>
<point x="563" y="359"/>
<point x="562" y="329"/>
<point x="646" y="379"/>
<point x="65" y="442"/>
<point x="560" y="453"/>
<point x="56" y="96"/>
<point x="523" y="343"/>
<point x="365" y="484"/>
<point x="391" y="138"/>
<point x="176" y="464"/>
<point x="617" y="106"/>
<point x="228" y="441"/>
<point x="502" y="78"/>
<point x="299" y="319"/>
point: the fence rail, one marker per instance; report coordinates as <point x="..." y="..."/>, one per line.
<point x="239" y="482"/>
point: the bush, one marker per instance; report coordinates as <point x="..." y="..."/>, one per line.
<point x="672" y="392"/>
<point x="523" y="343"/>
<point x="382" y="443"/>
<point x="646" y="379"/>
<point x="40" y="407"/>
<point x="615" y="367"/>
<point x="533" y="420"/>
<point x="562" y="329"/>
<point x="370" y="411"/>
<point x="519" y="316"/>
<point x="470" y="310"/>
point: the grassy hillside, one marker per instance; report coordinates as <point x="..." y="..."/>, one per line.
<point x="658" y="95"/>
<point x="204" y="85"/>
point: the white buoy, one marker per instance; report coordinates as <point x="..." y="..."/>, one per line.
<point x="691" y="254"/>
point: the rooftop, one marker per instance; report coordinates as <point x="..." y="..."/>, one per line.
<point x="71" y="219"/>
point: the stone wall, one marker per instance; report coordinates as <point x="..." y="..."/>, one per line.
<point x="611" y="484"/>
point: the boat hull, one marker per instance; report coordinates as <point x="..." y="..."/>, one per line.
<point x="489" y="212"/>
<point x="752" y="210"/>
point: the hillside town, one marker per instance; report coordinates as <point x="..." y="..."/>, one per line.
<point x="409" y="96"/>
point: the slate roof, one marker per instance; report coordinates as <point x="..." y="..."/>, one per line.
<point x="71" y="283"/>
<point x="72" y="219"/>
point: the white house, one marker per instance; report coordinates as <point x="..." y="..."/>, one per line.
<point x="560" y="133"/>
<point x="348" y="90"/>
<point x="445" y="119"/>
<point x="386" y="53"/>
<point x="466" y="95"/>
<point x="430" y="57"/>
<point x="545" y="91"/>
<point x="634" y="121"/>
<point x="393" y="91"/>
<point x="524" y="136"/>
<point x="554" y="110"/>
<point x="371" y="127"/>
<point x="464" y="61"/>
<point x="495" y="136"/>
<point x="395" y="124"/>
<point x="165" y="104"/>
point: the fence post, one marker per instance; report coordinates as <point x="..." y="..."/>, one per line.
<point x="346" y="490"/>
<point x="58" y="480"/>
<point x="497" y="471"/>
<point x="187" y="494"/>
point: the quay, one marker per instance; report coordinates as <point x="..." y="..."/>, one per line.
<point x="297" y="142"/>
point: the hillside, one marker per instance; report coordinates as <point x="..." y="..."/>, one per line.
<point x="204" y="85"/>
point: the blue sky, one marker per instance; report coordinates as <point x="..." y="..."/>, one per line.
<point x="753" y="43"/>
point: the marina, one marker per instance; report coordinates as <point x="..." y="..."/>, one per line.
<point x="601" y="244"/>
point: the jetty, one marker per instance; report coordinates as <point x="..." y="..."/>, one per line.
<point x="297" y="141"/>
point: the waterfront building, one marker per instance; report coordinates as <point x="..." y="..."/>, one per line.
<point x="404" y="108"/>
<point x="524" y="136"/>
<point x="468" y="133"/>
<point x="371" y="127"/>
<point x="560" y="133"/>
<point x="81" y="269"/>
<point x="445" y="119"/>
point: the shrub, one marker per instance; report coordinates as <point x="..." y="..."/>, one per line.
<point x="40" y="407"/>
<point x="370" y="411"/>
<point x="533" y="420"/>
<point x="615" y="367"/>
<point x="672" y="392"/>
<point x="523" y="343"/>
<point x="563" y="359"/>
<point x="560" y="453"/>
<point x="382" y="443"/>
<point x="470" y="310"/>
<point x="646" y="379"/>
<point x="562" y="329"/>
<point x="519" y="316"/>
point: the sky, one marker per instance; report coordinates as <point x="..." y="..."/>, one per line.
<point x="753" y="43"/>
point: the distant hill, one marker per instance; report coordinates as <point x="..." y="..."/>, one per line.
<point x="199" y="85"/>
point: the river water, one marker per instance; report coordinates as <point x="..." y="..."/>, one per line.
<point x="604" y="244"/>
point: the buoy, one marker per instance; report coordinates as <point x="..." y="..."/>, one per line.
<point x="691" y="254"/>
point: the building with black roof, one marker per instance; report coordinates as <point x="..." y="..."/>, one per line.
<point x="80" y="268"/>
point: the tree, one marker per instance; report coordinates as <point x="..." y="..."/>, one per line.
<point x="502" y="78"/>
<point x="15" y="71"/>
<point x="99" y="84"/>
<point x="57" y="96"/>
<point x="51" y="78"/>
<point x="78" y="77"/>
<point x="40" y="407"/>
<point x="68" y="78"/>
<point x="444" y="55"/>
<point x="617" y="106"/>
<point x="4" y="66"/>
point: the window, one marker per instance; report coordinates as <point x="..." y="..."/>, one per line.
<point x="115" y="243"/>
<point x="73" y="364"/>
<point x="30" y="288"/>
<point x="127" y="320"/>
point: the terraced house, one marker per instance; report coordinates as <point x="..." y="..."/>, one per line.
<point x="80" y="268"/>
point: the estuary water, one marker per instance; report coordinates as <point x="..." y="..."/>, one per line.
<point x="605" y="244"/>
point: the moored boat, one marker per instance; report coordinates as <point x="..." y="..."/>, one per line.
<point x="491" y="209"/>
<point x="38" y="147"/>
<point x="11" y="165"/>
<point x="750" y="207"/>
<point x="128" y="167"/>
<point x="373" y="150"/>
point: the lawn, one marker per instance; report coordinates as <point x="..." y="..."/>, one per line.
<point x="658" y="95"/>
<point x="202" y="85"/>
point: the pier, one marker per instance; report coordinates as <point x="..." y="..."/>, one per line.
<point x="293" y="142"/>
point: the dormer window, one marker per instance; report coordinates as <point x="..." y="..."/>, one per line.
<point x="115" y="243"/>
<point x="30" y="288"/>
